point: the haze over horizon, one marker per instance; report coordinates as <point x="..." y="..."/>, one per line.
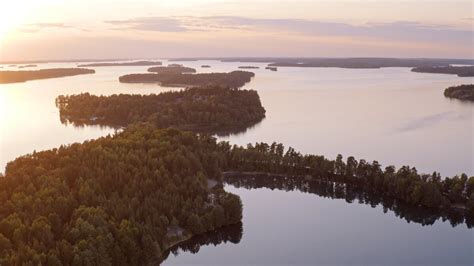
<point x="104" y="29"/>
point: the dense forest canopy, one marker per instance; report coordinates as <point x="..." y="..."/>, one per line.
<point x="461" y="92"/>
<point x="207" y="108"/>
<point x="117" y="200"/>
<point x="234" y="79"/>
<point x="461" y="71"/>
<point x="136" y="63"/>
<point x="171" y="70"/>
<point x="22" y="76"/>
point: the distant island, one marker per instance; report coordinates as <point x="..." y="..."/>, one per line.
<point x="136" y="63"/>
<point x="461" y="71"/>
<point x="210" y="109"/>
<point x="171" y="70"/>
<point x="249" y="67"/>
<point x="233" y="79"/>
<point x="272" y="68"/>
<point x="27" y="66"/>
<point x="22" y="76"/>
<point x="461" y="92"/>
<point x="205" y="66"/>
<point x="350" y="62"/>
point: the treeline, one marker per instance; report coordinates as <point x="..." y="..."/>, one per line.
<point x="171" y="70"/>
<point x="135" y="63"/>
<point x="117" y="200"/>
<point x="207" y="108"/>
<point x="461" y="71"/>
<point x="461" y="92"/>
<point x="234" y="79"/>
<point x="405" y="184"/>
<point x="22" y="76"/>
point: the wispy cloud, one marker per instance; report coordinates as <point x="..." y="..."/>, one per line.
<point x="36" y="27"/>
<point x="408" y="31"/>
<point x="161" y="24"/>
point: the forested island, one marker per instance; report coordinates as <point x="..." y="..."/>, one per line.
<point x="249" y="67"/>
<point x="128" y="198"/>
<point x="461" y="71"/>
<point x="461" y="92"/>
<point x="234" y="79"/>
<point x="122" y="199"/>
<point x="272" y="68"/>
<point x="171" y="70"/>
<point x="136" y="63"/>
<point x="212" y="109"/>
<point x="23" y="76"/>
<point x="206" y="66"/>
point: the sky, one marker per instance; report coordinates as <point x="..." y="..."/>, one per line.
<point x="106" y="29"/>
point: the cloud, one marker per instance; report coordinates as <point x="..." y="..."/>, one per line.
<point x="400" y="31"/>
<point x="36" y="27"/>
<point x="161" y="24"/>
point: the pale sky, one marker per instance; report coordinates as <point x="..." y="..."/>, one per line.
<point x="94" y="29"/>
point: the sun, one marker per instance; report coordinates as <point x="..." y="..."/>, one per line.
<point x="13" y="14"/>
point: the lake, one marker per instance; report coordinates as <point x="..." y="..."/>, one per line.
<point x="391" y="115"/>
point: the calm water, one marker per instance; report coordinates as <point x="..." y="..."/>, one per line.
<point x="390" y="115"/>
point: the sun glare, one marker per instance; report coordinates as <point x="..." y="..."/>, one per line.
<point x="15" y="13"/>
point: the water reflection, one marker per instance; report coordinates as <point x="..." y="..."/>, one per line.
<point x="415" y="214"/>
<point x="231" y="233"/>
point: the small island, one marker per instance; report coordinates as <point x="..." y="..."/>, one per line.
<point x="206" y="66"/>
<point x="272" y="68"/>
<point x="209" y="109"/>
<point x="462" y="92"/>
<point x="23" y="76"/>
<point x="136" y="63"/>
<point x="171" y="70"/>
<point x="249" y="67"/>
<point x="27" y="66"/>
<point x="461" y="71"/>
<point x="234" y="79"/>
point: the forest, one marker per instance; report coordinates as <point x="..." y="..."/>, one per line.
<point x="461" y="71"/>
<point x="234" y="79"/>
<point x="198" y="109"/>
<point x="118" y="200"/>
<point x="128" y="198"/>
<point x="461" y="92"/>
<point x="171" y="70"/>
<point x="22" y="76"/>
<point x="136" y="63"/>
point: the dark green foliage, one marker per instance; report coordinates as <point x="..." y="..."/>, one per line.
<point x="234" y="79"/>
<point x="112" y="201"/>
<point x="461" y="92"/>
<point x="22" y="76"/>
<point x="209" y="108"/>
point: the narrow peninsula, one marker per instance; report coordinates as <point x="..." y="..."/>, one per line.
<point x="23" y="76"/>
<point x="461" y="71"/>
